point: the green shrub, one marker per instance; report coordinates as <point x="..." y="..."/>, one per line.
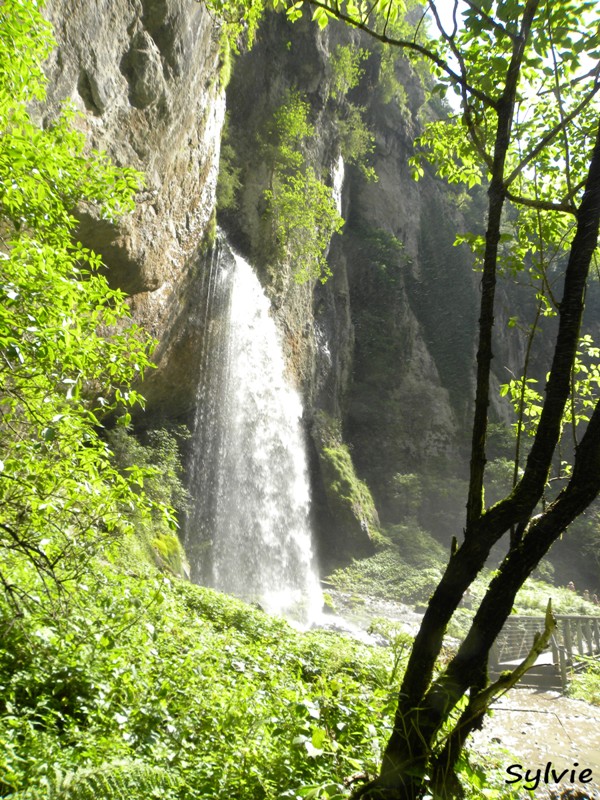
<point x="585" y="684"/>
<point x="69" y="353"/>
<point x="300" y="206"/>
<point x="155" y="687"/>
<point x="345" y="63"/>
<point x="356" y="140"/>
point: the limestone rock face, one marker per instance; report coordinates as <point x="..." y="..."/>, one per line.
<point x="384" y="348"/>
<point x="145" y="76"/>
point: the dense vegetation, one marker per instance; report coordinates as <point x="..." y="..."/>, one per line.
<point x="117" y="679"/>
<point x="152" y="687"/>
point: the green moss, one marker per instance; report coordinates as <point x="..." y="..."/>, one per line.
<point x="154" y="540"/>
<point x="210" y="234"/>
<point x="169" y="553"/>
<point x="345" y="489"/>
<point x="348" y="497"/>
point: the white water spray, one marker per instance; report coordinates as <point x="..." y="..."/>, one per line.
<point x="249" y="533"/>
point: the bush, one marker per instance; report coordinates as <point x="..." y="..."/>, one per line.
<point x="585" y="684"/>
<point x="69" y="353"/>
<point x="300" y="206"/>
<point x="153" y="685"/>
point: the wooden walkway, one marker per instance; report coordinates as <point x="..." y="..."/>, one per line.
<point x="575" y="636"/>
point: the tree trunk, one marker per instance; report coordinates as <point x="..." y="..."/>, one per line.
<point x="423" y="705"/>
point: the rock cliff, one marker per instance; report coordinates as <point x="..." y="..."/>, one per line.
<point x="145" y="75"/>
<point x="382" y="350"/>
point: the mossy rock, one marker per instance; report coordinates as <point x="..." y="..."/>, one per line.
<point x="169" y="554"/>
<point x="349" y="499"/>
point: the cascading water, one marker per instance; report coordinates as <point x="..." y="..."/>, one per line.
<point x="248" y="532"/>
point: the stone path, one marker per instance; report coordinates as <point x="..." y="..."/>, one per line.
<point x="532" y="728"/>
<point x="528" y="727"/>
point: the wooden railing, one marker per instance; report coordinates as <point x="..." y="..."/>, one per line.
<point x="574" y="636"/>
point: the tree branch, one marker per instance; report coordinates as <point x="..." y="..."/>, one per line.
<point x="543" y="205"/>
<point x="407" y="45"/>
<point x="497" y="195"/>
<point x="554" y="132"/>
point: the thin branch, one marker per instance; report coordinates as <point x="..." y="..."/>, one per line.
<point x="554" y="132"/>
<point x="418" y="27"/>
<point x="472" y="128"/>
<point x="387" y="19"/>
<point x="561" y="107"/>
<point x="483" y="699"/>
<point x="497" y="197"/>
<point x="407" y="45"/>
<point x="542" y="205"/>
<point x="521" y="413"/>
<point x="571" y="83"/>
<point x="466" y="105"/>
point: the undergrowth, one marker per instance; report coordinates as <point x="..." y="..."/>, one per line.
<point x="153" y="687"/>
<point x="585" y="685"/>
<point x="410" y="566"/>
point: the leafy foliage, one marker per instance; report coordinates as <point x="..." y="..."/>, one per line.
<point x="68" y="354"/>
<point x="346" y="68"/>
<point x="302" y="208"/>
<point x="115" y="781"/>
<point x="239" y="20"/>
<point x="356" y="140"/>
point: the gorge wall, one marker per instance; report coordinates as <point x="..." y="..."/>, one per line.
<point x="382" y="352"/>
<point x="384" y="349"/>
<point x="145" y="76"/>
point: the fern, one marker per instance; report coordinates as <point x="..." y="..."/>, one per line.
<point x="119" y="780"/>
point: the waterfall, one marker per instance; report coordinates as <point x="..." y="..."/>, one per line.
<point x="248" y="531"/>
<point x="338" y="176"/>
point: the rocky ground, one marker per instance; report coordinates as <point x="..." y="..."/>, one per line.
<point x="533" y="729"/>
<point x="529" y="728"/>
